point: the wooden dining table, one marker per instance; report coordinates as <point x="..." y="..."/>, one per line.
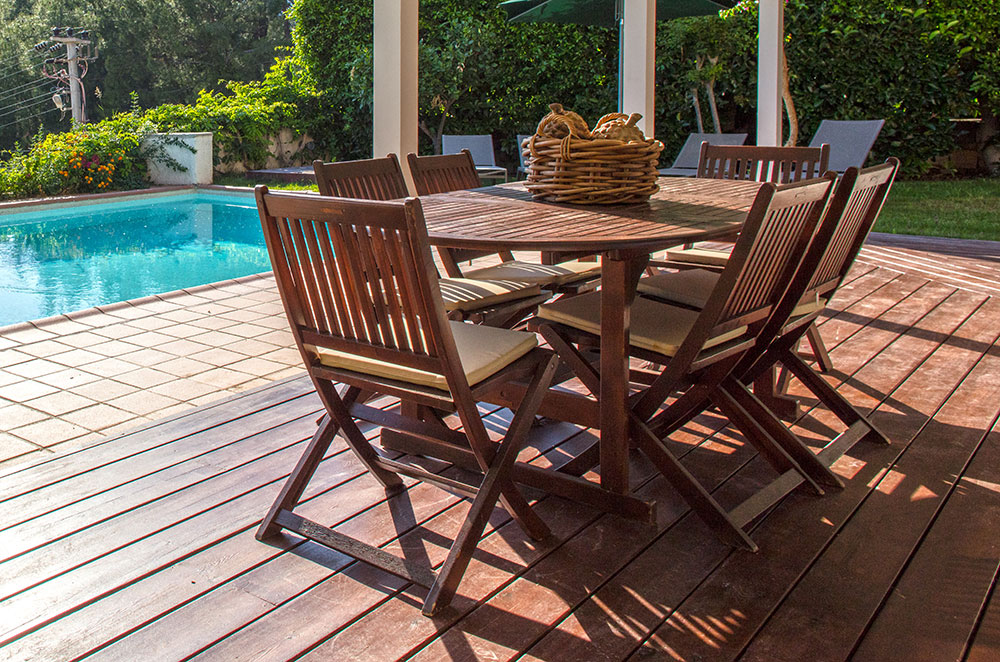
<point x="684" y="210"/>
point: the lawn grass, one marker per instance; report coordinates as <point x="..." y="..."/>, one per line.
<point x="961" y="208"/>
<point x="237" y="180"/>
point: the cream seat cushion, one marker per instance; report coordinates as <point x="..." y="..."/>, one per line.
<point x="706" y="256"/>
<point x="474" y="294"/>
<point x="543" y="274"/>
<point x="482" y="350"/>
<point x="658" y="327"/>
<point x="693" y="287"/>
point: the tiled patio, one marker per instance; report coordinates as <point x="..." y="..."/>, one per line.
<point x="141" y="547"/>
<point x="67" y="382"/>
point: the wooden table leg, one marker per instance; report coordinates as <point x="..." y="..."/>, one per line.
<point x="619" y="277"/>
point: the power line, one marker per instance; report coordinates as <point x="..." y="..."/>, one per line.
<point x="30" y="117"/>
<point x="20" y="88"/>
<point x="42" y="99"/>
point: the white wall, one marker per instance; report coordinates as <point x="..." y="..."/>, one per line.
<point x="198" y="162"/>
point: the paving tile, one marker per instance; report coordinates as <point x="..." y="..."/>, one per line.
<point x="147" y="357"/>
<point x="257" y="367"/>
<point x="174" y="410"/>
<point x="269" y="308"/>
<point x="286" y="355"/>
<point x="25" y="390"/>
<point x="7" y="344"/>
<point x="34" y="369"/>
<point x="9" y="357"/>
<point x="293" y="371"/>
<point x="77" y="357"/>
<point x="210" y="309"/>
<point x="82" y="340"/>
<point x="215" y="338"/>
<point x="109" y="367"/>
<point x="282" y="338"/>
<point x="149" y="339"/>
<point x="181" y="315"/>
<point x="130" y="312"/>
<point x="49" y="432"/>
<point x="246" y="386"/>
<point x="183" y="367"/>
<point x="115" y="348"/>
<point x="14" y="416"/>
<point x="244" y="315"/>
<point x="122" y="428"/>
<point x="273" y="322"/>
<point x="9" y="378"/>
<point x="151" y="323"/>
<point x="184" y="346"/>
<point x="68" y="378"/>
<point x="11" y="447"/>
<point x="246" y="330"/>
<point x="144" y="378"/>
<point x="64" y="327"/>
<point x="209" y="398"/>
<point x="99" y="417"/>
<point x="217" y="356"/>
<point x="222" y="378"/>
<point x="250" y="347"/>
<point x="104" y="390"/>
<point x="212" y="323"/>
<point x="184" y="389"/>
<point x="59" y="403"/>
<point x="264" y="295"/>
<point x="42" y="349"/>
<point x="160" y="306"/>
<point x="118" y="330"/>
<point x="181" y="330"/>
<point x="143" y="403"/>
<point x="28" y="335"/>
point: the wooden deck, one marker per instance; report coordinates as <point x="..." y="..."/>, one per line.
<point x="142" y="548"/>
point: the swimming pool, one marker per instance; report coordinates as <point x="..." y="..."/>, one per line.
<point x="65" y="258"/>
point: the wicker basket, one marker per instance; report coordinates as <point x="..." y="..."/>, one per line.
<point x="591" y="171"/>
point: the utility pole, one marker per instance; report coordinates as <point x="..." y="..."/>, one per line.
<point x="73" y="43"/>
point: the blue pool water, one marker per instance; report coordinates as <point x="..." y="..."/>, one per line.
<point x="63" y="259"/>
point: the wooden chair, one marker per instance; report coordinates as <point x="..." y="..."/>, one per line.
<point x="767" y="164"/>
<point x="779" y="165"/>
<point x="699" y="350"/>
<point x="495" y="302"/>
<point x="686" y="163"/>
<point x="454" y="172"/>
<point x="851" y="214"/>
<point x="362" y="298"/>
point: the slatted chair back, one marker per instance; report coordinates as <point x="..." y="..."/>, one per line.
<point x="779" y="165"/>
<point x="357" y="277"/>
<point x="771" y="244"/>
<point x="367" y="179"/>
<point x="775" y="236"/>
<point x="440" y="174"/>
<point x="853" y="211"/>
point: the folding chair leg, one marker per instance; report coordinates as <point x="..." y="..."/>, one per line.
<point x="296" y="484"/>
<point x="759" y="436"/>
<point x="818" y="348"/>
<point x="465" y="543"/>
<point x="809" y="464"/>
<point x="840" y="407"/>
<point x="701" y="502"/>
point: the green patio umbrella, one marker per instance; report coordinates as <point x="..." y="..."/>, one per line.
<point x="603" y="13"/>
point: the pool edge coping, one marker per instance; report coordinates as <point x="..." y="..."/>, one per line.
<point x="79" y="316"/>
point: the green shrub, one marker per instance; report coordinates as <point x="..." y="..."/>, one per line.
<point x="244" y="117"/>
<point x="91" y="158"/>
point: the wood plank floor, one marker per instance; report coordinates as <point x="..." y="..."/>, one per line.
<point x="142" y="548"/>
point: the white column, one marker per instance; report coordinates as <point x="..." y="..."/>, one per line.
<point x="638" y="46"/>
<point x="395" y="94"/>
<point x="769" y="72"/>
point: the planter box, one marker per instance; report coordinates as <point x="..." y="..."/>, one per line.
<point x="198" y="162"/>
